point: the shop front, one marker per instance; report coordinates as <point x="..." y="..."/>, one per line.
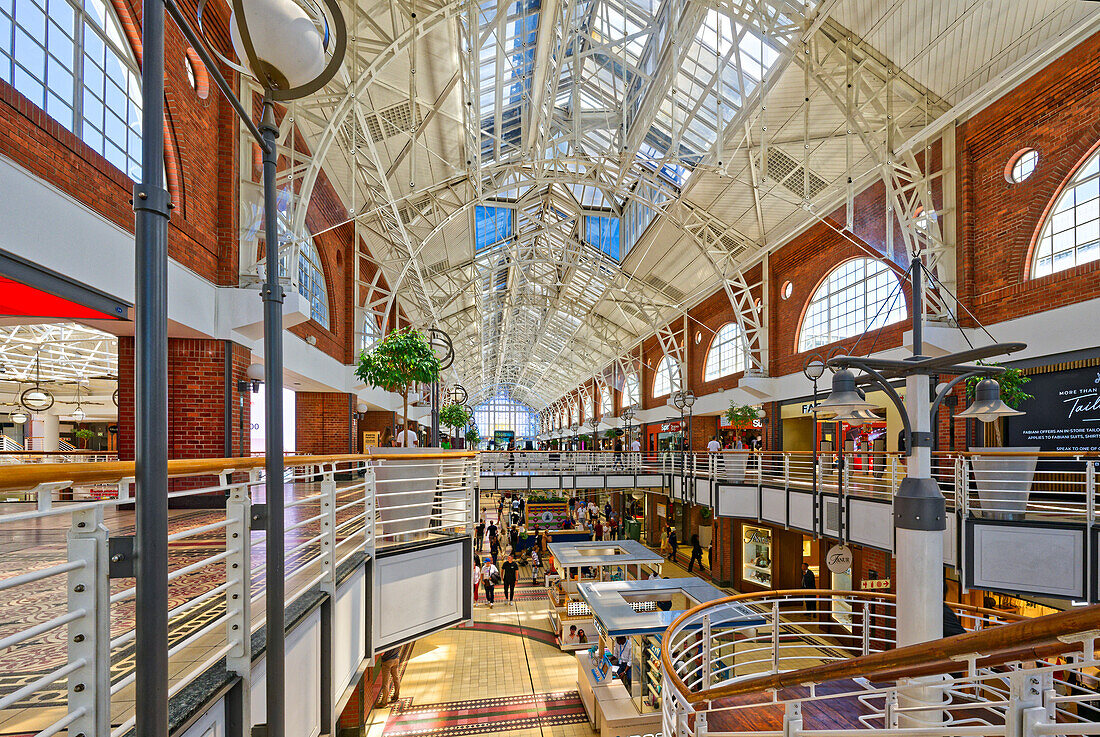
<point x="665" y="436"/>
<point x="730" y="433"/>
<point x="866" y="442"/>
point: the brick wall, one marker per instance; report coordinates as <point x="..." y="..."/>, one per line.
<point x="1053" y="112"/>
<point x="197" y="378"/>
<point x="323" y="422"/>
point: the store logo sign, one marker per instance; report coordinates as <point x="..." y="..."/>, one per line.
<point x="839" y="558"/>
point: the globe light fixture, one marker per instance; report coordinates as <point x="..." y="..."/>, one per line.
<point x="18" y="417"/>
<point x="987" y="405"/>
<point x="79" y="414"/>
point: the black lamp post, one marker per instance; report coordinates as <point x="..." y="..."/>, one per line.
<point x="289" y="63"/>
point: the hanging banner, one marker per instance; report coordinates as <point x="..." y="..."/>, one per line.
<point x="1064" y="414"/>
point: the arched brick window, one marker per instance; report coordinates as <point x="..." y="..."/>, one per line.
<point x="1070" y="236"/>
<point x="859" y="295"/>
<point x="667" y="378"/>
<point x="727" y="353"/>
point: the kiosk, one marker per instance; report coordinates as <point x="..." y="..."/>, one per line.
<point x="590" y="560"/>
<point x="640" y="612"/>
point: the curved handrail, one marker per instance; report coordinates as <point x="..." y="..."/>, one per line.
<point x="30" y="475"/>
<point x="1022" y="639"/>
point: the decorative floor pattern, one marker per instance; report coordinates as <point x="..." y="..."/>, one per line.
<point x="483" y="716"/>
<point x="531" y="633"/>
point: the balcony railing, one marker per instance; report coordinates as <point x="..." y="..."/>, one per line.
<point x="66" y="651"/>
<point x="823" y="664"/>
<point x="991" y="485"/>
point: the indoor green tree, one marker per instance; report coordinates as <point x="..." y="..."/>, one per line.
<point x="400" y="360"/>
<point x="741" y="414"/>
<point x="454" y="416"/>
<point x="472" y="438"/>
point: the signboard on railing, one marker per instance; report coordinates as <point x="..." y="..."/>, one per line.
<point x="1064" y="414"/>
<point x="874" y="584"/>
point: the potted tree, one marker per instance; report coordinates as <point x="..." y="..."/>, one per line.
<point x="454" y="416"/>
<point x="397" y="363"/>
<point x="705" y="527"/>
<point x="84" y="435"/>
<point x="472" y="438"/>
<point x="1003" y="483"/>
<point x="733" y="466"/>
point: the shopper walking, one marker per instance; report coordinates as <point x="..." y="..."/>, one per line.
<point x="696" y="553"/>
<point x="672" y="543"/>
<point x="510" y="572"/>
<point x="490" y="577"/>
<point x="809" y="581"/>
<point x="390" y="663"/>
<point x="479" y="539"/>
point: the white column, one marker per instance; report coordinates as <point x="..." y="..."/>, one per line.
<point x="44" y="432"/>
<point x="919" y="552"/>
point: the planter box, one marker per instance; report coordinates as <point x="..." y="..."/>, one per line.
<point x="1002" y="484"/>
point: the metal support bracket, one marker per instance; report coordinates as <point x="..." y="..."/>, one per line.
<point x="120" y="557"/>
<point x="920" y="439"/>
<point x="153" y="199"/>
<point x="259" y="517"/>
<point x="919" y="505"/>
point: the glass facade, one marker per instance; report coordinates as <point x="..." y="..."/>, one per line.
<point x="502" y="413"/>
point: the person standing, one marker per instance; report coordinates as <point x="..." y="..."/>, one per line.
<point x="511" y="571"/>
<point x="407" y="437"/>
<point x="477" y="575"/>
<point x="623" y="653"/>
<point x="479" y="539"/>
<point x="696" y="553"/>
<point x="672" y="543"/>
<point x="809" y="581"/>
<point x="490" y="576"/>
<point x="390" y="663"/>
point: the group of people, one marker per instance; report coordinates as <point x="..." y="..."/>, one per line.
<point x="504" y="540"/>
<point x="406" y="438"/>
<point x="670" y="546"/>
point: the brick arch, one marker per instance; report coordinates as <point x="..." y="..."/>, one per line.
<point x="1091" y="149"/>
<point x="172" y="167"/>
<point x="898" y="273"/>
<point x="706" y="354"/>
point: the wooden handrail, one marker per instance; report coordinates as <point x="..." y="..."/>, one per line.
<point x="26" y="476"/>
<point x="1024" y="639"/>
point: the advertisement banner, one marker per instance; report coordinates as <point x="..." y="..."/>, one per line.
<point x="1064" y="414"/>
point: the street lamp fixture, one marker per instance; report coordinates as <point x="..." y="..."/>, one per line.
<point x="844" y="397"/>
<point x="283" y="44"/>
<point x="987" y="405"/>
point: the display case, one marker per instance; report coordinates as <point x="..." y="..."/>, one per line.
<point x="757" y="555"/>
<point x="646" y="674"/>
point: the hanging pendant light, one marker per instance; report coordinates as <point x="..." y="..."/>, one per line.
<point x="844" y="397"/>
<point x="36" y="399"/>
<point x="18" y="417"/>
<point x="987" y="404"/>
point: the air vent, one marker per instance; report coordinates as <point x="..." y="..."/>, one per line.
<point x="789" y="173"/>
<point x="437" y="268"/>
<point x="415" y="209"/>
<point x="403" y="117"/>
<point x="665" y="288"/>
<point x="399" y="118"/>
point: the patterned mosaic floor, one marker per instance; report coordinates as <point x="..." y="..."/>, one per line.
<point x="481" y="716"/>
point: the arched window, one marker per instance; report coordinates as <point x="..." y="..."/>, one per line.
<point x="606" y="407"/>
<point x="727" y="353"/>
<point x="859" y="295"/>
<point x="631" y="395"/>
<point x="311" y="282"/>
<point x="371" y="333"/>
<point x="667" y="378"/>
<point x="85" y="77"/>
<point x="1071" y="233"/>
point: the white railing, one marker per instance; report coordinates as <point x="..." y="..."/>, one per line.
<point x="72" y="623"/>
<point x="780" y="664"/>
<point x="997" y="484"/>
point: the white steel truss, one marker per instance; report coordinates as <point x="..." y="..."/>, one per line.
<point x="709" y="131"/>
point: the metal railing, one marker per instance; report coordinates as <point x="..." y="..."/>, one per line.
<point x="67" y="653"/>
<point x="824" y="664"/>
<point x="992" y="484"/>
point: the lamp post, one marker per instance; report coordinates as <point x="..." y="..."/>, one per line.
<point x="813" y="370"/>
<point x="919" y="506"/>
<point x="287" y="57"/>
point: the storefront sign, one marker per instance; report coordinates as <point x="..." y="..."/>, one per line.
<point x="1064" y="414"/>
<point x="758" y="535"/>
<point x="839" y="558"/>
<point x="726" y="425"/>
<point x="874" y="584"/>
<point x="670" y="426"/>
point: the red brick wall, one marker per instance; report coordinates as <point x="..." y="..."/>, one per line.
<point x="1053" y="112"/>
<point x="202" y="224"/>
<point x="196" y="398"/>
<point x="323" y="423"/>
